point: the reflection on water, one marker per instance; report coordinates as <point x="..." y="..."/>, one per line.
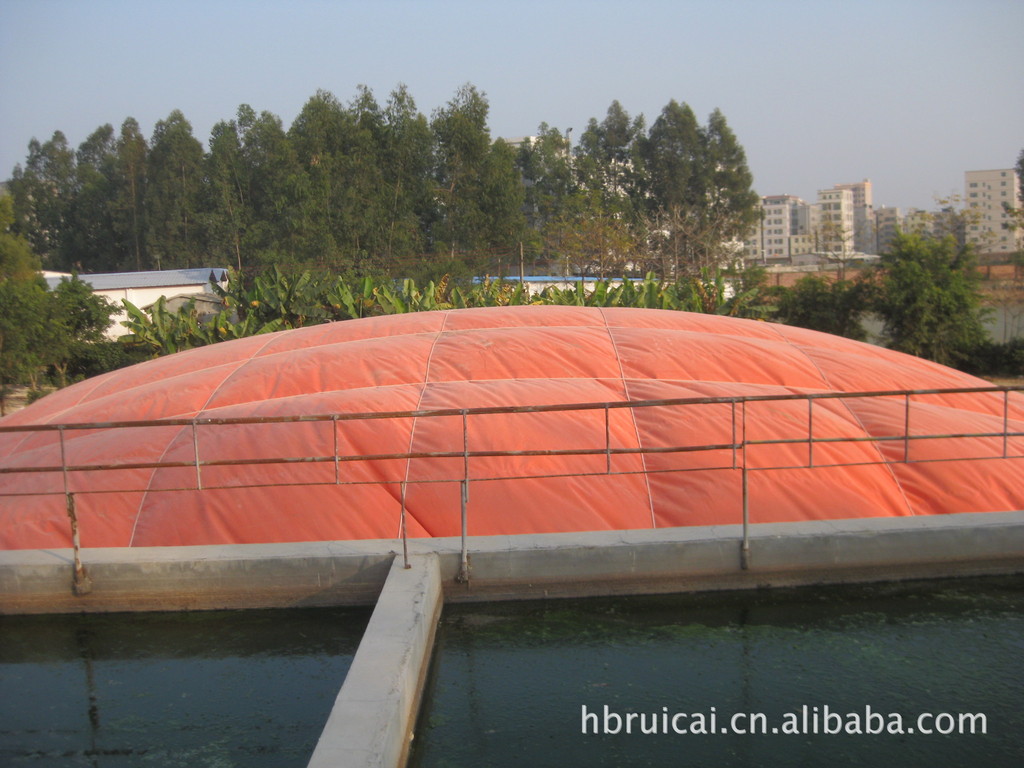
<point x="510" y="680"/>
<point x="238" y="688"/>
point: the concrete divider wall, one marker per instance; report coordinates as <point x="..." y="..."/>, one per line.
<point x="508" y="567"/>
<point x="372" y="721"/>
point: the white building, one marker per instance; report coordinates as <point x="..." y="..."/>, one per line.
<point x="863" y="218"/>
<point x="835" y="227"/>
<point x="781" y="231"/>
<point x="143" y="288"/>
<point x="986" y="194"/>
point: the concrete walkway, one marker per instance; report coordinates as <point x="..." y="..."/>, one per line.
<point x="373" y="718"/>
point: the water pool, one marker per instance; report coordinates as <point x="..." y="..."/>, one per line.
<point x="510" y="681"/>
<point x="203" y="690"/>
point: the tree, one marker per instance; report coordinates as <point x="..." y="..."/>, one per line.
<point x="317" y="136"/>
<point x="607" y="160"/>
<point x="698" y="191"/>
<point x="462" y="142"/>
<point x="832" y="307"/>
<point x="277" y="189"/>
<point x="90" y="243"/>
<point x="42" y="192"/>
<point x="22" y="295"/>
<point x="17" y="262"/>
<point x="672" y="154"/>
<point x="173" y="194"/>
<point x="591" y="239"/>
<point x="227" y="187"/>
<point x="731" y="206"/>
<point x="75" y="317"/>
<point x="407" y="161"/>
<point x="130" y="176"/>
<point x="926" y="293"/>
<point x="22" y="324"/>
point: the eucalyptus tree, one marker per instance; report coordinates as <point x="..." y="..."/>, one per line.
<point x="407" y="160"/>
<point x="128" y="217"/>
<point x="43" y="191"/>
<point x="90" y="244"/>
<point x="503" y="205"/>
<point x="320" y="136"/>
<point x="227" y="189"/>
<point x="545" y="164"/>
<point x="607" y="159"/>
<point x="276" y="188"/>
<point x="367" y="202"/>
<point x="174" y="194"/>
<point x="462" y="141"/>
<point x="672" y="156"/>
<point x="699" y="195"/>
<point x="731" y="207"/>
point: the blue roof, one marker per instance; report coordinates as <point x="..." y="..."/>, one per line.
<point x="163" y="278"/>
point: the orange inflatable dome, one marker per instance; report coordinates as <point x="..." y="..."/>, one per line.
<point x="584" y="469"/>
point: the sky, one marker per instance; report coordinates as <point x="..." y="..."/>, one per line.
<point x="906" y="93"/>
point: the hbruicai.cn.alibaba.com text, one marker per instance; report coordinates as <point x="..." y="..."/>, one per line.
<point x="805" y="720"/>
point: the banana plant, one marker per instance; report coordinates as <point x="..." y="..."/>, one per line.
<point x="160" y="331"/>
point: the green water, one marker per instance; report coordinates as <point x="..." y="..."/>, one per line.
<point x="510" y="680"/>
<point x="202" y="690"/>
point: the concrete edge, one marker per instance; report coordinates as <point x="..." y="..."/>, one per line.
<point x="539" y="565"/>
<point x="375" y="712"/>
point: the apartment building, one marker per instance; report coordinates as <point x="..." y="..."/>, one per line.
<point x="986" y="193"/>
<point x="888" y="221"/>
<point x="863" y="216"/>
<point x="835" y="227"/>
<point x="783" y="217"/>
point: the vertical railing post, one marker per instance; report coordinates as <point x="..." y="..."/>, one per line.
<point x="733" y="408"/>
<point x="1006" y="422"/>
<point x="80" y="584"/>
<point x="810" y="431"/>
<point x="906" y="428"/>
<point x="607" y="441"/>
<point x="745" y="545"/>
<point x="463" y="575"/>
<point x="63" y="458"/>
<point x="405" y="532"/>
<point x="195" y="451"/>
<point x="337" y="462"/>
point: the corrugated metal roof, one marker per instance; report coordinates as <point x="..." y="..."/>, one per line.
<point x="154" y="279"/>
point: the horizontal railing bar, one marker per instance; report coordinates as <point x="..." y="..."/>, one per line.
<point x="408" y="455"/>
<point x="363" y="457"/>
<point x="495" y="478"/>
<point x="497" y="410"/>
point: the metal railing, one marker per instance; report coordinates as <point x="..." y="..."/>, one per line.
<point x="736" y="447"/>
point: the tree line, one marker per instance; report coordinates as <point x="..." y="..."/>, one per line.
<point x="364" y="188"/>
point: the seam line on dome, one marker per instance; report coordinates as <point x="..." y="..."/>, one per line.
<point x="419" y="404"/>
<point x="145" y="494"/>
<point x="241" y="364"/>
<point x="853" y="415"/>
<point x="632" y="413"/>
<point x="149" y="484"/>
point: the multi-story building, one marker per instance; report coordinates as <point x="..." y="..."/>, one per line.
<point x="863" y="218"/>
<point x="919" y="222"/>
<point x="888" y="221"/>
<point x="783" y="217"/>
<point x="987" y="194"/>
<point x="835" y="227"/>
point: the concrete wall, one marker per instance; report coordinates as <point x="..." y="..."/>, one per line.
<point x="511" y="567"/>
<point x="374" y="715"/>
